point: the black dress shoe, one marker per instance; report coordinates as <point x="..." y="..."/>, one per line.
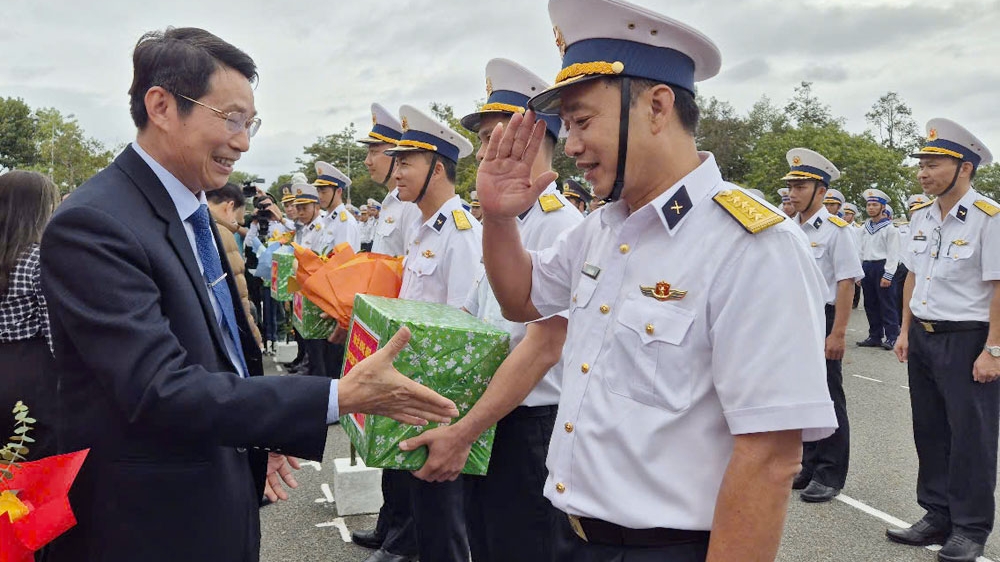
<point x="818" y="493"/>
<point x="367" y="539"/>
<point x="888" y="345"/>
<point x="801" y="481"/>
<point x="960" y="549"/>
<point x="870" y="342"/>
<point x="386" y="556"/>
<point x="921" y="533"/>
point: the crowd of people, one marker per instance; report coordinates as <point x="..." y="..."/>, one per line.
<point x="131" y="322"/>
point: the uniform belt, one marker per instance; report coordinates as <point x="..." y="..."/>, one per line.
<point x="601" y="532"/>
<point x="522" y="412"/>
<point x="944" y="326"/>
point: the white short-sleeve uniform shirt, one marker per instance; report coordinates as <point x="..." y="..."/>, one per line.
<point x="539" y="226"/>
<point x="655" y="390"/>
<point x="833" y="245"/>
<point x="341" y="226"/>
<point x="444" y="257"/>
<point x="954" y="261"/>
<point x="394" y="220"/>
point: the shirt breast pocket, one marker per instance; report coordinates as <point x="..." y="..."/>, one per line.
<point x="654" y="366"/>
<point x="421" y="266"/>
<point x="819" y="250"/>
<point x="385" y="228"/>
<point x="957" y="262"/>
<point x="582" y="293"/>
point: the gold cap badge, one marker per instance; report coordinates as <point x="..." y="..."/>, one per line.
<point x="932" y="135"/>
<point x="406" y="125"/>
<point x="560" y="41"/>
<point x="796" y="161"/>
<point x="489" y="86"/>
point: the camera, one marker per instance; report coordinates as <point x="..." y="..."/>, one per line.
<point x="249" y="189"/>
<point x="262" y="215"/>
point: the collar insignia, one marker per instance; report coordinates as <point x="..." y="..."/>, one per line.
<point x="439" y="222"/>
<point x="675" y="208"/>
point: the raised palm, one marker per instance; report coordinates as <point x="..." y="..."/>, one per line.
<point x="504" y="181"/>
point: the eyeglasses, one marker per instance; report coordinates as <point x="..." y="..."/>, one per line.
<point x="236" y="121"/>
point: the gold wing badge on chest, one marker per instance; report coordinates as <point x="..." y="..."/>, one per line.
<point x="662" y="292"/>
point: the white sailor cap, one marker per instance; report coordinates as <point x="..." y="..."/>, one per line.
<point x="916" y="199"/>
<point x="601" y="38"/>
<point x="834" y="196"/>
<point x="947" y="138"/>
<point x="421" y="132"/>
<point x="509" y="86"/>
<point x="385" y="127"/>
<point x="876" y="196"/>
<point x="299" y="177"/>
<point x="850" y="207"/>
<point x="808" y="164"/>
<point x="304" y="193"/>
<point x="327" y="175"/>
<point x="374" y="203"/>
<point x="784" y="193"/>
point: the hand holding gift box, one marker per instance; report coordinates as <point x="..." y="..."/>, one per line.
<point x="451" y="352"/>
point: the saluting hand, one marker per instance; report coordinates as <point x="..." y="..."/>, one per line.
<point x="447" y="452"/>
<point x="374" y="386"/>
<point x="504" y="179"/>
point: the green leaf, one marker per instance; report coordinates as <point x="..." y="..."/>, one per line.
<point x="6" y="473"/>
<point x="6" y="454"/>
<point x="16" y="438"/>
<point x="27" y="439"/>
<point x="22" y="430"/>
<point x="20" y="416"/>
<point x="29" y="420"/>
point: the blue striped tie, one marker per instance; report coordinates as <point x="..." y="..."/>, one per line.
<point x="212" y="265"/>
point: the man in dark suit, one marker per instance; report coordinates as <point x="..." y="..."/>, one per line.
<point x="157" y="374"/>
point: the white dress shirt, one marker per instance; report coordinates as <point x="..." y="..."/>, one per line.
<point x="391" y="232"/>
<point x="834" y="248"/>
<point x="186" y="203"/>
<point x="654" y="391"/>
<point x="315" y="236"/>
<point x="880" y="241"/>
<point x="539" y="230"/>
<point x="341" y="226"/>
<point x="442" y="261"/>
<point x="954" y="261"/>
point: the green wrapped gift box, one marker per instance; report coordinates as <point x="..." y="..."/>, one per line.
<point x="451" y="352"/>
<point x="307" y="320"/>
<point x="282" y="268"/>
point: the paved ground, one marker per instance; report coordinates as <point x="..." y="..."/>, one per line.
<point x="881" y="484"/>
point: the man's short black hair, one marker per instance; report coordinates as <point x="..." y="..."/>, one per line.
<point x="684" y="102"/>
<point x="450" y="167"/>
<point x="228" y="192"/>
<point x="181" y="60"/>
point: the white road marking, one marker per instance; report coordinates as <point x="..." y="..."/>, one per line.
<point x="895" y="522"/>
<point x="278" y="367"/>
<point x="904" y="386"/>
<point x="866" y="378"/>
<point x="326" y="492"/>
<point x="340" y="525"/>
<point x="313" y="464"/>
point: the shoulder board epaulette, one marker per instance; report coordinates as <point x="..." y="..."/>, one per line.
<point x="550" y="203"/>
<point x="343" y="216"/>
<point x="837" y="221"/>
<point x="461" y="221"/>
<point x="752" y="215"/>
<point x="919" y="206"/>
<point x="987" y="207"/>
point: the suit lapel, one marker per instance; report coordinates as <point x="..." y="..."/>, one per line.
<point x="154" y="191"/>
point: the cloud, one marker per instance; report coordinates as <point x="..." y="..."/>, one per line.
<point x="824" y="73"/>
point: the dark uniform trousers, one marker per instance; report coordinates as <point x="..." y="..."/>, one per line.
<point x="955" y="428"/>
<point x="435" y="523"/>
<point x="325" y="359"/>
<point x="509" y="518"/>
<point x="898" y="279"/>
<point x="574" y="549"/>
<point x="827" y="460"/>
<point x="395" y="519"/>
<point x="880" y="307"/>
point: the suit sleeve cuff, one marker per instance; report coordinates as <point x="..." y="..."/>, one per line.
<point x="333" y="406"/>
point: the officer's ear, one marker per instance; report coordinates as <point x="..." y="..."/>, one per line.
<point x="968" y="170"/>
<point x="661" y="106"/>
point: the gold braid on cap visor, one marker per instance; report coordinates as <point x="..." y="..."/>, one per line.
<point x="418" y="144"/>
<point x="382" y="138"/>
<point x="799" y="173"/>
<point x="324" y="183"/>
<point x="503" y="107"/>
<point x="943" y="151"/>
<point x="588" y="69"/>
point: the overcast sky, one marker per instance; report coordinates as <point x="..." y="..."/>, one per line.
<point x="322" y="63"/>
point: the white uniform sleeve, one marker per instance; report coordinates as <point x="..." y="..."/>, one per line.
<point x="552" y="273"/>
<point x="991" y="249"/>
<point x="465" y="252"/>
<point x="771" y="379"/>
<point x="846" y="263"/>
<point x="472" y="301"/>
<point x="891" y="252"/>
<point x="353" y="235"/>
<point x="251" y="233"/>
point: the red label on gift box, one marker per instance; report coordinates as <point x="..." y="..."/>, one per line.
<point x="297" y="306"/>
<point x="274" y="273"/>
<point x="361" y="343"/>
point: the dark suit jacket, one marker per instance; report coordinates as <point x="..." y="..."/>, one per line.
<point x="177" y="439"/>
